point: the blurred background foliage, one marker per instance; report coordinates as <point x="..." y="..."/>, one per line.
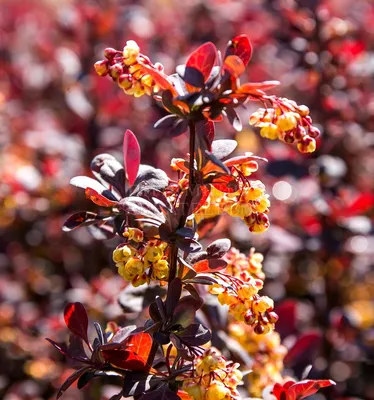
<point x="56" y="114"/>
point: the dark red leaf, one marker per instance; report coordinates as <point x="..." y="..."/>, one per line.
<point x="132" y="354"/>
<point x="140" y="346"/>
<point x="203" y="59"/>
<point x="61" y="347"/>
<point x="191" y="76"/>
<point x="226" y="184"/>
<point x="76" y="320"/>
<point x="209" y="265"/>
<point x="299" y="390"/>
<point x="286" y="324"/>
<point x="304" y="349"/>
<point x="99" y="199"/>
<point x="81" y="218"/>
<point x="234" y="119"/>
<point x="72" y="378"/>
<point x="131" y="156"/>
<point x="240" y="46"/>
<point x="201" y="193"/>
<point x="306" y="388"/>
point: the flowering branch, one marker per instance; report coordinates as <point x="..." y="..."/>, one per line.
<point x="161" y="222"/>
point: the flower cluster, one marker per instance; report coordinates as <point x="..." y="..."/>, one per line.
<point x="214" y="378"/>
<point x="239" y="263"/>
<point x="249" y="203"/>
<point x="128" y="70"/>
<point x="245" y="304"/>
<point x="286" y="121"/>
<point x="267" y="354"/>
<point x="139" y="265"/>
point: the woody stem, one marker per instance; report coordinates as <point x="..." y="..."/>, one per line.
<point x="187" y="202"/>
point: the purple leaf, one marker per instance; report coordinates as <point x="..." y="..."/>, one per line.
<point x="173" y="296"/>
<point x="234" y="119"/>
<point x="184" y="313"/>
<point x="223" y="148"/>
<point x="195" y="335"/>
<point x="81" y="218"/>
<point x="218" y="248"/>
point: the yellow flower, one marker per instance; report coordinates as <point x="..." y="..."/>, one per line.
<point x="269" y="131"/>
<point x="217" y="391"/>
<point x="134" y="266"/>
<point x="247" y="291"/>
<point x="196" y="391"/>
<point x="130" y="52"/>
<point x="287" y="121"/>
<point x="154" y="253"/>
<point x="160" y="270"/>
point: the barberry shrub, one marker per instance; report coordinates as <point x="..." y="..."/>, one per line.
<point x="161" y="221"/>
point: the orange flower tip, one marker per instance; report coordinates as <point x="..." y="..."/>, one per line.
<point x="101" y="68"/>
<point x="307" y="145"/>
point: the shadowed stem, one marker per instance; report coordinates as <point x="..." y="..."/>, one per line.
<point x="187" y="202"/>
<point x="186" y="207"/>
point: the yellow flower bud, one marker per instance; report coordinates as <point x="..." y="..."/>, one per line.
<point x="303" y="110"/>
<point x="101" y="68"/>
<point x="307" y="145"/>
<point x="130" y="52"/>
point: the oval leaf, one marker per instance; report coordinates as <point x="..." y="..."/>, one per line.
<point x="218" y="248"/>
<point x="76" y="320"/>
<point x="209" y="265"/>
<point x="131" y="156"/>
<point x="240" y="46"/>
<point x="203" y="59"/>
<point x="79" y="219"/>
<point x="223" y="148"/>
